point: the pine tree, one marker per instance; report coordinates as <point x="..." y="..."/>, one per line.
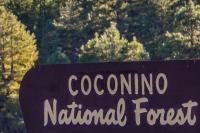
<point x="35" y="14"/>
<point x="99" y="14"/>
<point x="70" y="28"/>
<point x="112" y="47"/>
<point x="183" y="42"/>
<point x="148" y="20"/>
<point x="80" y="20"/>
<point x="17" y="55"/>
<point x="58" y="57"/>
<point x="38" y="16"/>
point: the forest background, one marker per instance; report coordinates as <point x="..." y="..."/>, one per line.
<point x="73" y="31"/>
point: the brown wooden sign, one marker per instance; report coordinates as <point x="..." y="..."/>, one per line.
<point x="142" y="97"/>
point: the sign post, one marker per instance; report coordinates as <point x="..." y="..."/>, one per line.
<point x="141" y="97"/>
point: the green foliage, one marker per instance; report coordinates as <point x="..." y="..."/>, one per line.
<point x="69" y="27"/>
<point x="112" y="47"/>
<point x="58" y="57"/>
<point x="34" y="13"/>
<point x="17" y="55"/>
<point x="98" y="14"/>
<point x="183" y="42"/>
<point x="80" y="20"/>
<point x="149" y="20"/>
<point x="39" y="16"/>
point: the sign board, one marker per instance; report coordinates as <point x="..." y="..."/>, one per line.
<point x="140" y="97"/>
